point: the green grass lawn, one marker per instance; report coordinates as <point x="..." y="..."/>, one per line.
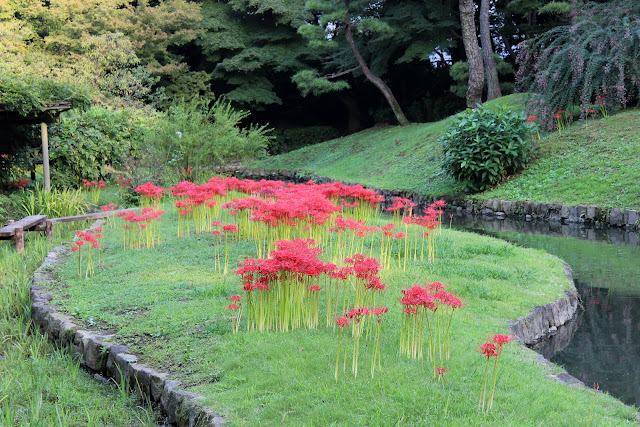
<point x="39" y="384"/>
<point x="168" y="304"/>
<point x="595" y="164"/>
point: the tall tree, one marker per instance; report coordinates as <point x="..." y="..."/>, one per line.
<point x="472" y="49"/>
<point x="491" y="72"/>
<point x="253" y="48"/>
<point x="340" y="24"/>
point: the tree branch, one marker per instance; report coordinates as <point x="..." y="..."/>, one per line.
<point x="341" y="73"/>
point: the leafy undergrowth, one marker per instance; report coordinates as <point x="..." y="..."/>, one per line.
<point x="169" y="304"/>
<point x="42" y="385"/>
<point x="597" y="163"/>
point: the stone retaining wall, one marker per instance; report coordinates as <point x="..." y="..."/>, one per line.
<point x="587" y="215"/>
<point x="101" y="356"/>
<point x="544" y="320"/>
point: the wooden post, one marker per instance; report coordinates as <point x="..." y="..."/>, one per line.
<point x="18" y="238"/>
<point x="45" y="155"/>
<point x="48" y="228"/>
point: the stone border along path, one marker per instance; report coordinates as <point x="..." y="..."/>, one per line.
<point x="587" y="215"/>
<point x="184" y="408"/>
<point x="99" y="356"/>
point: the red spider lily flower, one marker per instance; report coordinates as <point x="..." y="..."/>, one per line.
<point x="98" y="230"/>
<point x="230" y="227"/>
<point x="342" y="322"/>
<point x="488" y="350"/>
<point x="79" y="242"/>
<point x="236" y="298"/>
<point x="410" y="310"/>
<point x="216" y="233"/>
<point x="531" y="119"/>
<point x="216" y="223"/>
<point x="379" y="312"/>
<point x="436" y="286"/>
<point x="96" y="246"/>
<point x="557" y="116"/>
<point x="315" y="288"/>
<point x="233" y="307"/>
<point x="501" y="339"/>
<point x="75" y="248"/>
<point x="442" y="370"/>
<point x="151" y="191"/>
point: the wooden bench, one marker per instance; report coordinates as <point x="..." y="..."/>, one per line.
<point x="15" y="230"/>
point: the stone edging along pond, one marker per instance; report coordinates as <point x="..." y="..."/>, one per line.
<point x="587" y="215"/>
<point x="98" y="355"/>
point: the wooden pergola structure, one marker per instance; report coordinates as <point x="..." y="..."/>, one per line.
<point x="50" y="114"/>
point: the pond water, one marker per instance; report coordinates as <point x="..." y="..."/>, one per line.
<point x="602" y="344"/>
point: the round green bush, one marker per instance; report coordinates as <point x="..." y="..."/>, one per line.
<point x="485" y="145"/>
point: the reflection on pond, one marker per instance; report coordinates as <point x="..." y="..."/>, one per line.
<point x="603" y="343"/>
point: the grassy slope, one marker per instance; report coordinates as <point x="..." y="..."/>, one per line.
<point x="176" y="318"/>
<point x="595" y="164"/>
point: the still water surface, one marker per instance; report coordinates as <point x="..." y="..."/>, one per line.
<point x="602" y="345"/>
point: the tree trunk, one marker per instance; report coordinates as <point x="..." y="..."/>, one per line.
<point x="472" y="49"/>
<point x="377" y="81"/>
<point x="493" y="84"/>
<point x="507" y="46"/>
<point x="353" y="113"/>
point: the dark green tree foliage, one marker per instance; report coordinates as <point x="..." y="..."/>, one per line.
<point x="253" y="48"/>
<point x="483" y="146"/>
<point x="597" y="55"/>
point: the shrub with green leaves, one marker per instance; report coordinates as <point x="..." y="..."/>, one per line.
<point x="194" y="136"/>
<point x="483" y="146"/>
<point x="83" y="143"/>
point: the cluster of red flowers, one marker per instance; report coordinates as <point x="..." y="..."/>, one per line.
<point x="132" y="217"/>
<point x="90" y="241"/>
<point x="532" y="119"/>
<point x="124" y="181"/>
<point x="90" y="185"/>
<point x="19" y="183"/>
<point x="297" y="258"/>
<point x="145" y="221"/>
<point x="493" y="348"/>
<point x="430" y="297"/>
<point x="489" y="349"/>
<point x="109" y="207"/>
<point x="365" y="270"/>
<point x="150" y="191"/>
<point x="87" y="238"/>
<point x="401" y="204"/>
